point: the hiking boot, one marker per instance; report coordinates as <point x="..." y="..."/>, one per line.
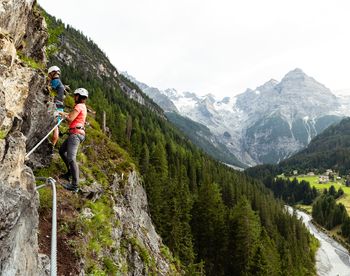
<point x="71" y="187"/>
<point x="65" y="176"/>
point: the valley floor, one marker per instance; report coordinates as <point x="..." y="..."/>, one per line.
<point x="334" y="233"/>
<point x="345" y="199"/>
<point x="331" y="258"/>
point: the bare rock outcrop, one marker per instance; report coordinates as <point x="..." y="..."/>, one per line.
<point x="23" y="116"/>
<point x="144" y="245"/>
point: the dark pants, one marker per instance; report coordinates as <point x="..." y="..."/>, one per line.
<point x="68" y="152"/>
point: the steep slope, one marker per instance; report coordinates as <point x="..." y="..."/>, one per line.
<point x="154" y="93"/>
<point x="207" y="214"/>
<point x="22" y="33"/>
<point x="202" y="210"/>
<point x="197" y="132"/>
<point x="201" y="136"/>
<point x="329" y="150"/>
<point x="267" y="124"/>
<point x="106" y="229"/>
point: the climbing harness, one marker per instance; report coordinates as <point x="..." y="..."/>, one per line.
<point x="77" y="127"/>
<point x="53" y="261"/>
<point x="42" y="140"/>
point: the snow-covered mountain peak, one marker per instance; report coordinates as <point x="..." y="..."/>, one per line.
<point x="267" y="124"/>
<point x="226" y="105"/>
<point x="270" y="84"/>
<point x="172" y="93"/>
<point x="266" y="86"/>
<point x="210" y="98"/>
<point x="225" y="100"/>
<point x="297" y="84"/>
<point x="190" y="95"/>
<point x="297" y="73"/>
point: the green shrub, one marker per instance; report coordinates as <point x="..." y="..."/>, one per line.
<point x="69" y="101"/>
<point x="2" y="134"/>
<point x="45" y="198"/>
<point x="31" y="62"/>
<point x="55" y="30"/>
<point x="94" y="124"/>
<point x="111" y="267"/>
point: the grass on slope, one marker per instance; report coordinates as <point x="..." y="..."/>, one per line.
<point x="82" y="237"/>
<point x="90" y="238"/>
<point x="345" y="199"/>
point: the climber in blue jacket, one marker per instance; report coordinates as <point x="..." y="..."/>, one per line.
<point x="57" y="87"/>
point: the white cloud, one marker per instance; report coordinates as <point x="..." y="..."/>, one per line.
<point x="221" y="47"/>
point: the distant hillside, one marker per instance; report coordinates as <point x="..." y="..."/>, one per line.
<point x="154" y="93"/>
<point x="198" y="133"/>
<point x="330" y="149"/>
<point x="201" y="136"/>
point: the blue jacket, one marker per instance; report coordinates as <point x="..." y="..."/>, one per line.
<point x="57" y="85"/>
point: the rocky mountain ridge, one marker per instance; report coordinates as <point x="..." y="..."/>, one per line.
<point x="267" y="124"/>
<point x="198" y="133"/>
<point x="163" y="99"/>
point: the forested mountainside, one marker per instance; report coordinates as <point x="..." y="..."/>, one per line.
<point x="329" y="150"/>
<point x="198" y="133"/>
<point x="201" y="136"/>
<point x="207" y="214"/>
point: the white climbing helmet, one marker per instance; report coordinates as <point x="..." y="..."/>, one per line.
<point x="81" y="92"/>
<point x="53" y="69"/>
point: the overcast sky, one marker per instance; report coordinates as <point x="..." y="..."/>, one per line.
<point x="217" y="46"/>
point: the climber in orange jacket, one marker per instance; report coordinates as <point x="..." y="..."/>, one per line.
<point x="68" y="150"/>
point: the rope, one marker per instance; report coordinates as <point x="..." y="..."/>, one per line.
<point x="42" y="140"/>
<point x="53" y="261"/>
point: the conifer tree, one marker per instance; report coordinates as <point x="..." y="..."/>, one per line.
<point x="209" y="228"/>
<point x="246" y="234"/>
<point x="144" y="162"/>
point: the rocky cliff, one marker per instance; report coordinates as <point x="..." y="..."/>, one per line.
<point x="145" y="252"/>
<point x="22" y="107"/>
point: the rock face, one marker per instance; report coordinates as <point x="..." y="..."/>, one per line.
<point x="21" y="87"/>
<point x="137" y="231"/>
<point x="18" y="211"/>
